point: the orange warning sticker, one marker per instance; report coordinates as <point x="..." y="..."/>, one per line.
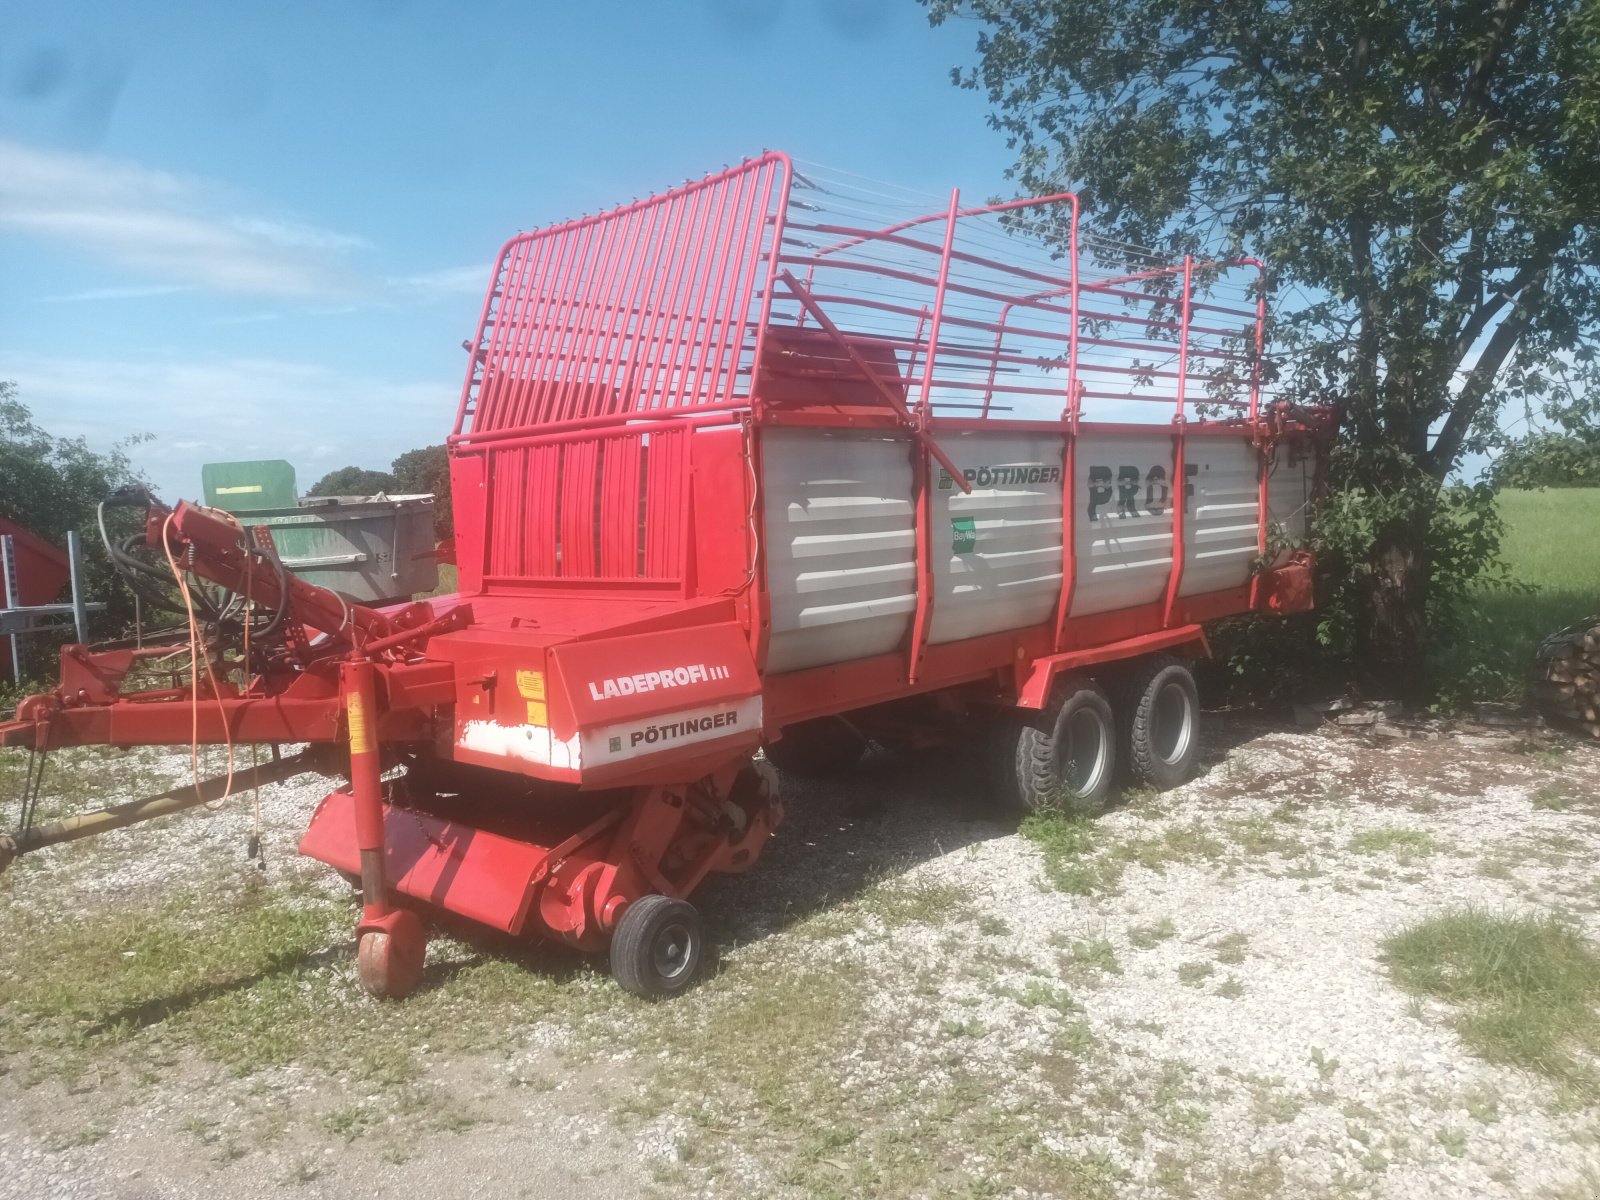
<point x="360" y="739"/>
<point x="538" y="713"/>
<point x="530" y="685"/>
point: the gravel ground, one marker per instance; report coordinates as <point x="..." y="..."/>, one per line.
<point x="905" y="1004"/>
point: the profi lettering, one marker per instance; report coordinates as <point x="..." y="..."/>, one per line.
<point x="649" y="681"/>
<point x="1157" y="495"/>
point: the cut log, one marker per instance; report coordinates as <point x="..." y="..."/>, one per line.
<point x="1566" y="676"/>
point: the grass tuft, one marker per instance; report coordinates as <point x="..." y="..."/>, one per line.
<point x="1404" y="844"/>
<point x="1527" y="987"/>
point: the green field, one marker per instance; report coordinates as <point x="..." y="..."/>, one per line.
<point x="1552" y="548"/>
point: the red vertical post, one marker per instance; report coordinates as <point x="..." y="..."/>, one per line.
<point x="1265" y="449"/>
<point x="1180" y="480"/>
<point x="1069" y="516"/>
<point x="922" y="623"/>
<point x="391" y="943"/>
<point x="366" y="784"/>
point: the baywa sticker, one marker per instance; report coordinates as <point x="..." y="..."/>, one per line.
<point x="984" y="477"/>
<point x="963" y="535"/>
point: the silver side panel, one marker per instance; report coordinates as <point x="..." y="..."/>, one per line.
<point x="841" y="532"/>
<point x="1221" y="536"/>
<point x="1123" y="491"/>
<point x="840" y="545"/>
<point x="997" y="549"/>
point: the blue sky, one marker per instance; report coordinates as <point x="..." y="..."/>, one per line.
<point x="263" y="229"/>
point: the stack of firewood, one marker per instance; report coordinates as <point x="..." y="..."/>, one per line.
<point x="1566" y="683"/>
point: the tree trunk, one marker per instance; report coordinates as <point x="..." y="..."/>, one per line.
<point x="1392" y="624"/>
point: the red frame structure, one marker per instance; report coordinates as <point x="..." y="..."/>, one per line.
<point x="613" y="624"/>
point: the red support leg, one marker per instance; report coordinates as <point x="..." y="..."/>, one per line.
<point x="390" y="941"/>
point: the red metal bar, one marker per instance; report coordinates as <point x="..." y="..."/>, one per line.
<point x="366" y="783"/>
<point x="935" y="321"/>
<point x="535" y="327"/>
<point x="1069" y="517"/>
<point x="675" y="284"/>
<point x="706" y="379"/>
<point x="615" y="248"/>
<point x="922" y="621"/>
<point x="1180" y="482"/>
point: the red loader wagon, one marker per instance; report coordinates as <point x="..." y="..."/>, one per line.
<point x="766" y="460"/>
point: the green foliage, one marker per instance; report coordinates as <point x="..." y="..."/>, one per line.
<point x="1419" y="178"/>
<point x="353" y="481"/>
<point x="50" y="485"/>
<point x="413" y="473"/>
<point x="427" y="470"/>
<point x="1550" y="460"/>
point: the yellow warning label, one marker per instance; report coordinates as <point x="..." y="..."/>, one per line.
<point x="538" y="713"/>
<point x="360" y="739"/>
<point x="530" y="685"/>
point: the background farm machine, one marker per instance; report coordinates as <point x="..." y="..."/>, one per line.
<point x="761" y="460"/>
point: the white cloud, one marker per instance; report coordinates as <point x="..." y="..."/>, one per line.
<point x="167" y="226"/>
<point x="197" y="411"/>
<point x="135" y="292"/>
<point x="448" y="280"/>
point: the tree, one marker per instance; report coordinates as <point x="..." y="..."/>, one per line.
<point x="1567" y="455"/>
<point x="50" y="485"/>
<point x="1419" y="175"/>
<point x="352" y="481"/>
<point x="428" y="470"/>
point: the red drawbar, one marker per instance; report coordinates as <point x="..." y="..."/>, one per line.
<point x="455" y="867"/>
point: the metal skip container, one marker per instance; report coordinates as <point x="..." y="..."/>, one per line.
<point x="367" y="548"/>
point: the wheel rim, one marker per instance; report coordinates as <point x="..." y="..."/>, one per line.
<point x="673" y="951"/>
<point x="1088" y="752"/>
<point x="1173" y="725"/>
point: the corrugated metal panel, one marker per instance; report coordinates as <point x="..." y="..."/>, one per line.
<point x="1221" y="532"/>
<point x="840" y="545"/>
<point x="1123" y="490"/>
<point x="997" y="549"/>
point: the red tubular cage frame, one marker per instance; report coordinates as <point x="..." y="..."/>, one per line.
<point x="659" y="309"/>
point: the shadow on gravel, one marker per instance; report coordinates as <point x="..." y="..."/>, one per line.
<point x="840" y="837"/>
<point x="843" y="835"/>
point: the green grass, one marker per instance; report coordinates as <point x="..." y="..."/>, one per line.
<point x="1404" y="844"/>
<point x="1526" y="987"/>
<point x="447" y="580"/>
<point x="1552" y="543"/>
<point x="1080" y="858"/>
<point x="250" y="978"/>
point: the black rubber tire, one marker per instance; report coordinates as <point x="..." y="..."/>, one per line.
<point x="658" y="947"/>
<point x="817" y="748"/>
<point x="1040" y="768"/>
<point x="1159" y="719"/>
